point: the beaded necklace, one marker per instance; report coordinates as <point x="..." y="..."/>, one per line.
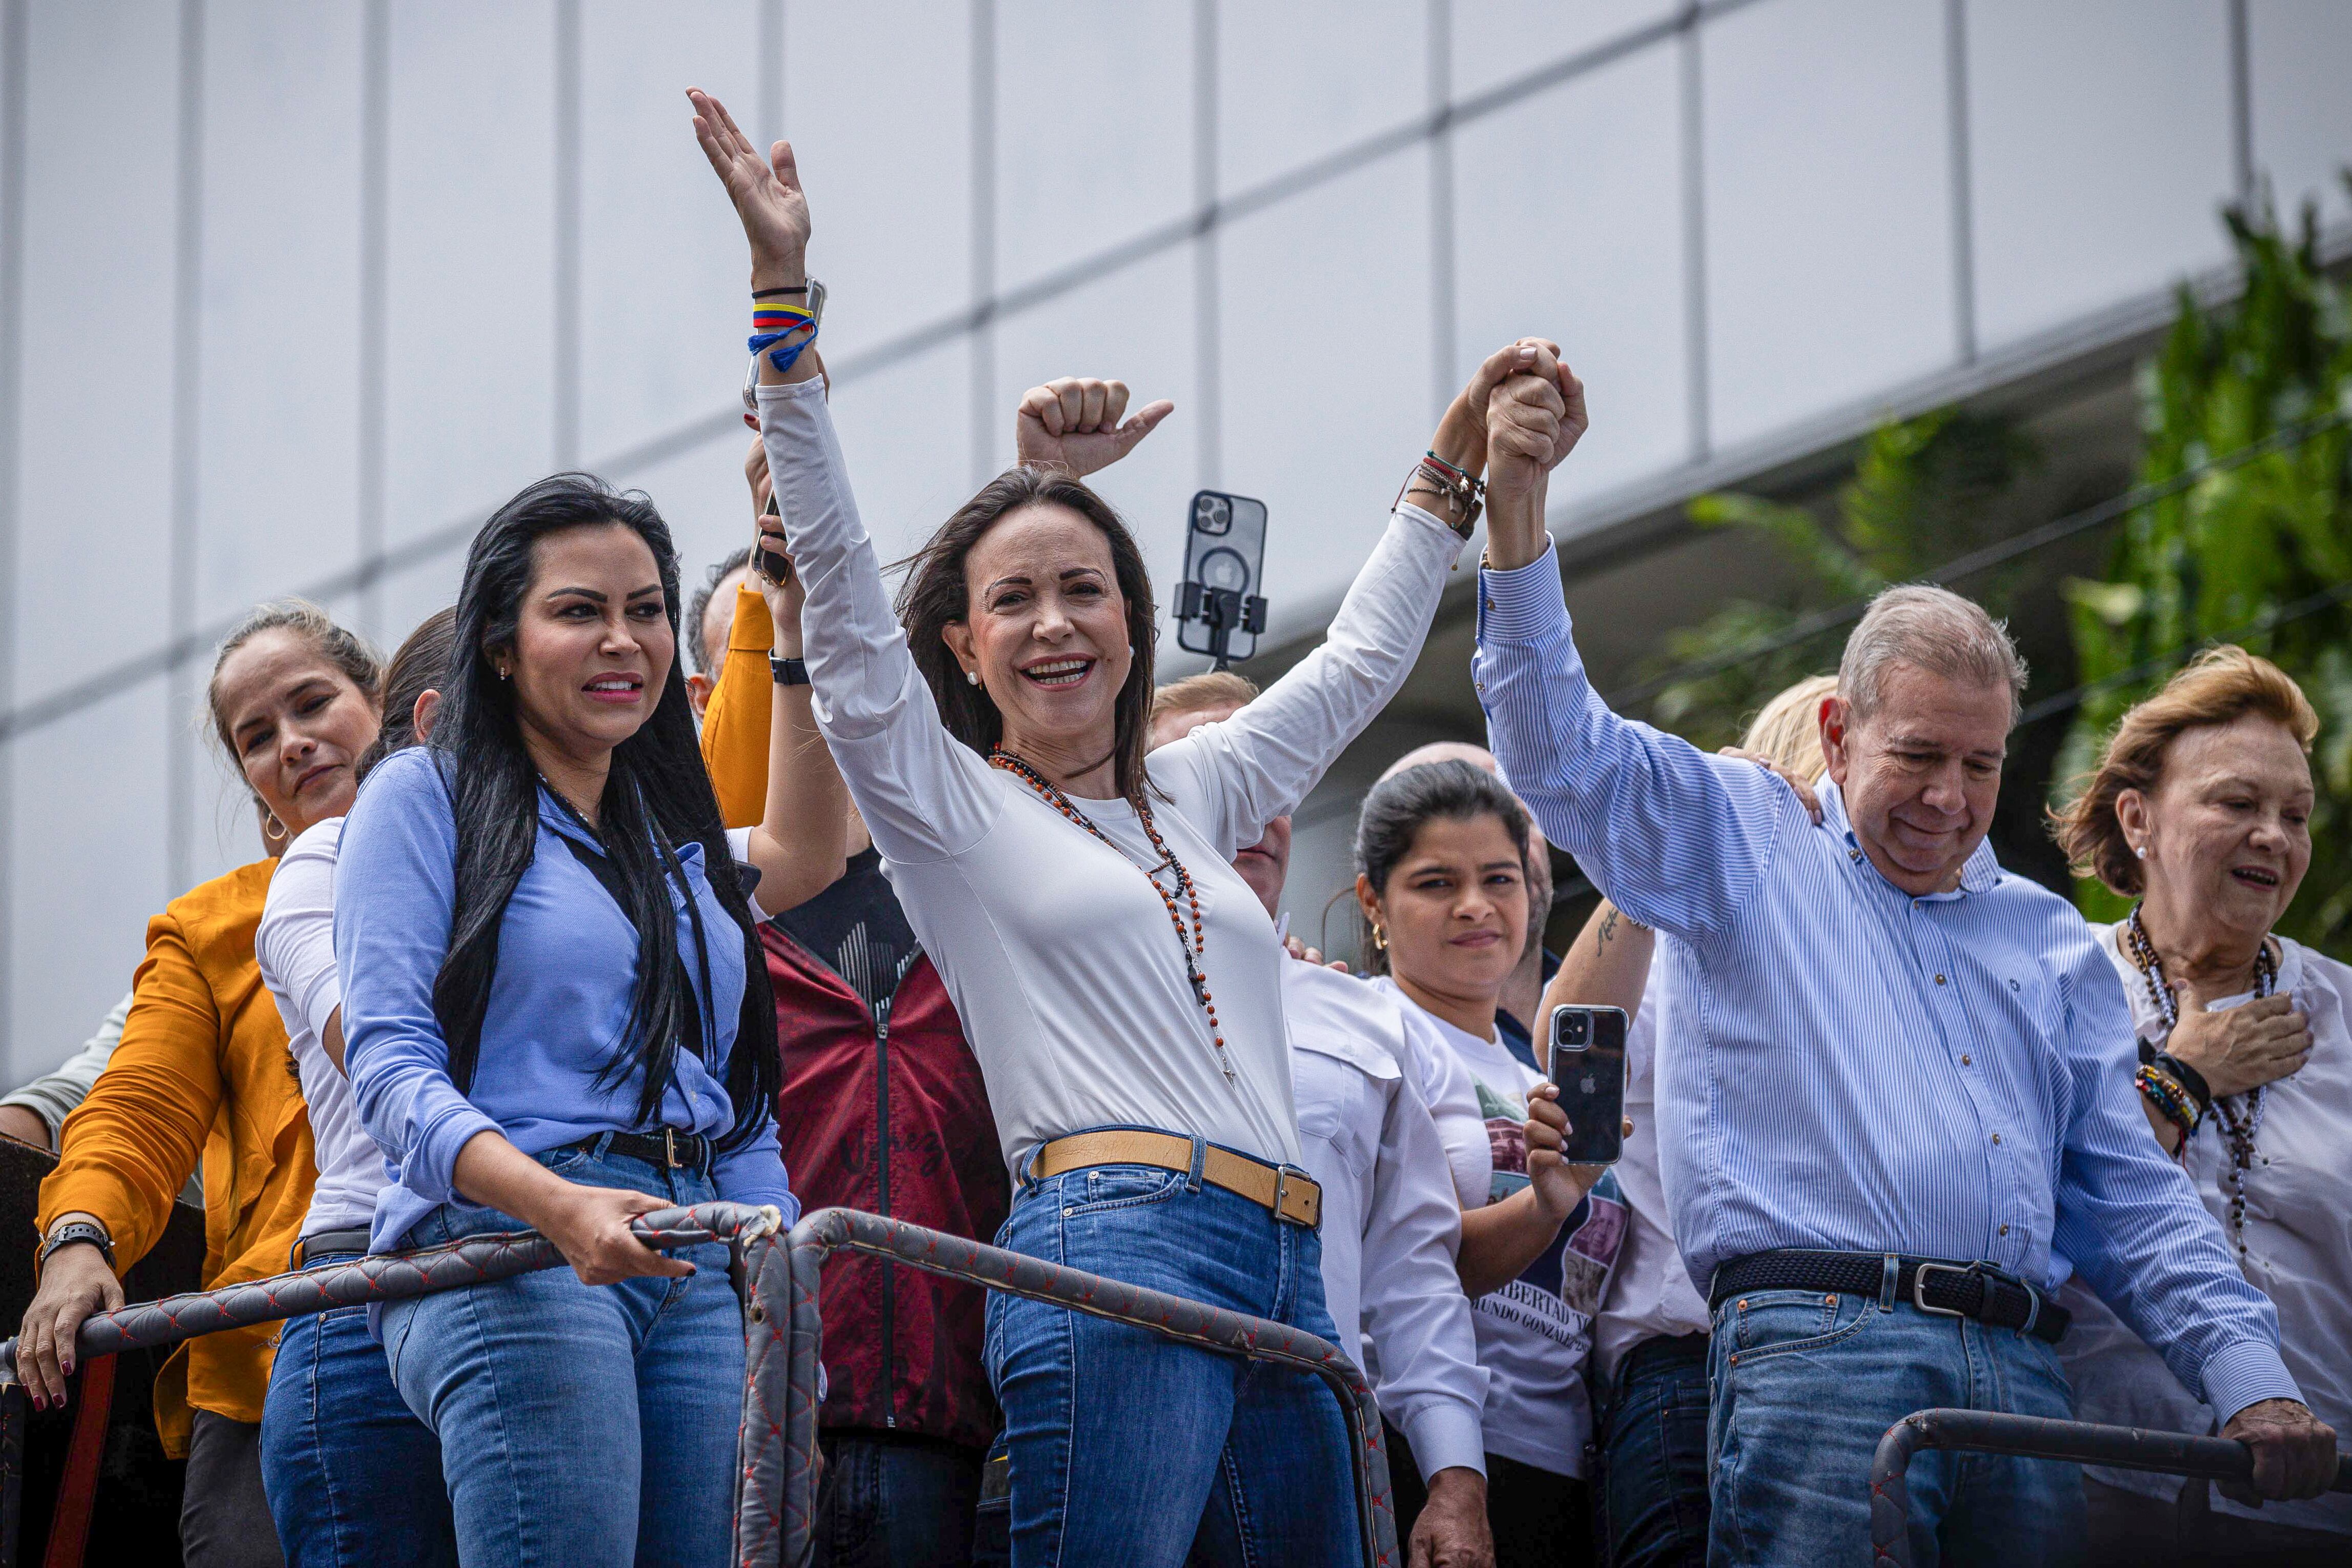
<point x="1194" y="944"/>
<point x="2238" y="1124"/>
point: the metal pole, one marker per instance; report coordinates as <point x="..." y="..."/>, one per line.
<point x="2035" y="1437"/>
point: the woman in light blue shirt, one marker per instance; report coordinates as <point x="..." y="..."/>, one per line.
<point x="556" y="1015"/>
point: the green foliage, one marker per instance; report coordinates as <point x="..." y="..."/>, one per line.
<point x="1922" y="491"/>
<point x="2247" y="554"/>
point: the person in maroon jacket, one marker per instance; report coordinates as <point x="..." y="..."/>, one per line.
<point x="871" y="1041"/>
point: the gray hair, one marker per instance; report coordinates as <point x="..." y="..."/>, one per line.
<point x="1933" y="629"/>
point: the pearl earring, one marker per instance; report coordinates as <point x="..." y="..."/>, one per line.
<point x="2140" y="851"/>
<point x="971" y="678"/>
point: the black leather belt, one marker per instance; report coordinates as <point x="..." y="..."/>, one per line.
<point x="1947" y="1289"/>
<point x="669" y="1148"/>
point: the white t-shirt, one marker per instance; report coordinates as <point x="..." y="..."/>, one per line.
<point x="2298" y="1243"/>
<point x="1650" y="1295"/>
<point x="295" y="945"/>
<point x="1392" y="1224"/>
<point x="1534" y="1332"/>
<point x="1056" y="947"/>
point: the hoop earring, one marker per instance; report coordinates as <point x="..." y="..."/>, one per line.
<point x="268" y="821"/>
<point x="1379" y="937"/>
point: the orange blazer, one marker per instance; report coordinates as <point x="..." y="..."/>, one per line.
<point x="204" y="1069"/>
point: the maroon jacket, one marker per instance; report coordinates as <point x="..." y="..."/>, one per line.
<point x="902" y="1348"/>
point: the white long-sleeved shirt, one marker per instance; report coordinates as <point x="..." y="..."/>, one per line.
<point x="58" y="1093"/>
<point x="1391" y="1224"/>
<point x="1055" y="948"/>
<point x="1650" y="1295"/>
<point x="295" y="945"/>
<point x="2298" y="1242"/>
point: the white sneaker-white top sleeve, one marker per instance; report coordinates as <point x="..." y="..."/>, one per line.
<point x="1056" y="949"/>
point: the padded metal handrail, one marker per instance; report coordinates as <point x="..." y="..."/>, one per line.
<point x="1171" y="1317"/>
<point x="762" y="1272"/>
<point x="2035" y="1437"/>
<point x="775" y="1500"/>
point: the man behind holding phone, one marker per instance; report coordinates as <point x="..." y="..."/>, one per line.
<point x="1908" y="1094"/>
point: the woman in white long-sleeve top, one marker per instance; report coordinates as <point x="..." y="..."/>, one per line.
<point x="1118" y="983"/>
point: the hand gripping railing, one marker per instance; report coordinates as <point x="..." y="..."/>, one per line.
<point x="760" y="1268"/>
<point x="2035" y="1437"/>
<point x="1170" y="1317"/>
<point x="775" y="1498"/>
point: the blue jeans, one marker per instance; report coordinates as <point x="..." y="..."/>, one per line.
<point x="353" y="1477"/>
<point x="580" y="1424"/>
<point x="895" y="1500"/>
<point x="1804" y="1386"/>
<point x="1653" y="1441"/>
<point x="1131" y="1450"/>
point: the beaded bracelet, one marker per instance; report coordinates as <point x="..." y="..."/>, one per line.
<point x="2162" y="1090"/>
<point x="2188" y="1079"/>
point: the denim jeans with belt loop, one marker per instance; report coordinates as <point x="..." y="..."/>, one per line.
<point x="351" y="1474"/>
<point x="580" y="1424"/>
<point x="1805" y="1383"/>
<point x="1129" y="1449"/>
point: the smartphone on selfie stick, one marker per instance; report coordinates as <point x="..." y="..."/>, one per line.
<point x="1218" y="609"/>
<point x="1588" y="1063"/>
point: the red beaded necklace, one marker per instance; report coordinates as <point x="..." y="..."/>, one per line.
<point x="1193" y="943"/>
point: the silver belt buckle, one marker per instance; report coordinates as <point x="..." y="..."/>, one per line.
<point x="1919" y="1287"/>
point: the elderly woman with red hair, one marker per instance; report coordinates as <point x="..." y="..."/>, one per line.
<point x="2200" y="810"/>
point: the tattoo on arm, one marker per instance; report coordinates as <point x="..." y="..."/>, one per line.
<point x="1608" y="930"/>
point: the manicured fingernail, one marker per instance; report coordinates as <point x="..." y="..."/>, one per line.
<point x="68" y="1367"/>
<point x="40" y="1402"/>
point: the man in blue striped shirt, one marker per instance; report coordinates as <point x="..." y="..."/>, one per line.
<point x="1900" y="1097"/>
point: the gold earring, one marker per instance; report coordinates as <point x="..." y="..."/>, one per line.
<point x="268" y="821"/>
<point x="1379" y="937"/>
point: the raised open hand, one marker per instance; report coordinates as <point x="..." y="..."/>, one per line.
<point x="1074" y="424"/>
<point x="766" y="192"/>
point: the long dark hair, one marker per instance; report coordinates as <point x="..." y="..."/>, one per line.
<point x="934" y="597"/>
<point x="655" y="796"/>
<point x="422" y="660"/>
<point x="1398" y="808"/>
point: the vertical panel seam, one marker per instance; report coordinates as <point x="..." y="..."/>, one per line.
<point x="1960" y="128"/>
<point x="375" y="372"/>
<point x="2241" y="103"/>
<point x="1208" y="349"/>
<point x="1443" y="318"/>
<point x="1695" y="349"/>
<point x="568" y="178"/>
<point x="187" y="390"/>
<point x="983" y="240"/>
<point x="14" y="79"/>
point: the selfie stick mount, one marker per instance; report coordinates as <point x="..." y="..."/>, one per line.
<point x="1225" y="610"/>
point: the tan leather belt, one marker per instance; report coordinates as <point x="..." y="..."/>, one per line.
<point x="1291" y="1192"/>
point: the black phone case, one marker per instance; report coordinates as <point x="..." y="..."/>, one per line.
<point x="1592" y="1087"/>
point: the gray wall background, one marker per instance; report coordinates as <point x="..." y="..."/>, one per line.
<point x="293" y="292"/>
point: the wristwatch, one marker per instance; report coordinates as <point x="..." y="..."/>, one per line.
<point x="752" y="372"/>
<point x="788" y="671"/>
<point x="79" y="1230"/>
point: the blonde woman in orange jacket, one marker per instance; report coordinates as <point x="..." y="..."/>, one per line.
<point x="203" y="1071"/>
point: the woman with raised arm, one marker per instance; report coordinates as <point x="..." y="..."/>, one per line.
<point x="1119" y="982"/>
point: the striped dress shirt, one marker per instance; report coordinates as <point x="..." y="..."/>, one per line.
<point x="1858" y="1068"/>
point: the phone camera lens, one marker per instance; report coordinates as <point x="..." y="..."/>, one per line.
<point x="1576" y="1027"/>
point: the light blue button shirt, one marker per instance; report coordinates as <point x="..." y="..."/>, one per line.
<point x="1945" y="1077"/>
